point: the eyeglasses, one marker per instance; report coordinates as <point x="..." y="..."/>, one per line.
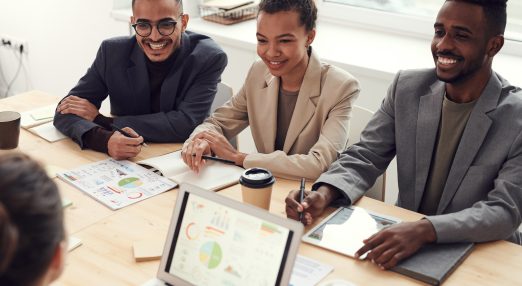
<point x="165" y="28"/>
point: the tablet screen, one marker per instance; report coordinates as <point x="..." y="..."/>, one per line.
<point x="345" y="229"/>
<point x="219" y="245"/>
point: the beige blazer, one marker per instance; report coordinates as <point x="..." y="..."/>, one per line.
<point x="318" y="130"/>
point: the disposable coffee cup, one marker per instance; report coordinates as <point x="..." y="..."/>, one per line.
<point x="256" y="187"/>
<point x="9" y="129"/>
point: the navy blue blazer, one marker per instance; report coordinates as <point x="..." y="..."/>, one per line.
<point x="120" y="72"/>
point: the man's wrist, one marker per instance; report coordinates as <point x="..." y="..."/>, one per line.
<point x="328" y="192"/>
<point x="428" y="230"/>
<point x="97" y="139"/>
<point x="104" y="121"/>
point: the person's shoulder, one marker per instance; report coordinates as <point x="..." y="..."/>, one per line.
<point x="259" y="75"/>
<point x="506" y="114"/>
<point x="116" y="50"/>
<point x="335" y="74"/>
<point x="414" y="82"/>
<point x="510" y="96"/>
<point x="333" y="79"/>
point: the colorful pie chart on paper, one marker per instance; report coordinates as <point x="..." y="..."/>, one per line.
<point x="210" y="254"/>
<point x="130" y="183"/>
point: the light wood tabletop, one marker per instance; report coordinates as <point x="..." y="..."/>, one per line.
<point x="105" y="258"/>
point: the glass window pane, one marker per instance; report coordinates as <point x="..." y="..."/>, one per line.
<point x="430" y="8"/>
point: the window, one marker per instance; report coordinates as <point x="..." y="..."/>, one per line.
<point x="411" y="17"/>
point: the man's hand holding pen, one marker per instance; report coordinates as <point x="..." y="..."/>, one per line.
<point x="123" y="147"/>
<point x="312" y="205"/>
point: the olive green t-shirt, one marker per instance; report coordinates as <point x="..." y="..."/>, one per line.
<point x="453" y="121"/>
<point x="285" y="109"/>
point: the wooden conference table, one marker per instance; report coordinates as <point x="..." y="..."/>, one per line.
<point x="105" y="258"/>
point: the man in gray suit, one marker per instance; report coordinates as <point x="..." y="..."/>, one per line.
<point x="161" y="84"/>
<point x="456" y="132"/>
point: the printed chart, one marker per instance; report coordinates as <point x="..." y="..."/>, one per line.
<point x="116" y="183"/>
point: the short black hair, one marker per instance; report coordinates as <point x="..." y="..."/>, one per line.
<point x="31" y="220"/>
<point x="179" y="1"/>
<point x="495" y="12"/>
<point x="306" y="9"/>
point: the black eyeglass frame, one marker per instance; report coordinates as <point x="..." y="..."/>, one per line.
<point x="157" y="27"/>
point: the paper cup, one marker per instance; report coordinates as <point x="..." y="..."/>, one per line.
<point x="256" y="187"/>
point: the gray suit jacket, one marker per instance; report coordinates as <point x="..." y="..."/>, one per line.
<point x="120" y="72"/>
<point x="482" y="198"/>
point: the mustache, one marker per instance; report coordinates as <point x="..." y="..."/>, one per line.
<point x="149" y="41"/>
<point x="448" y="54"/>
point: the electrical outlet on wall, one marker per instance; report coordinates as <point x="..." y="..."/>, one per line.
<point x="13" y="43"/>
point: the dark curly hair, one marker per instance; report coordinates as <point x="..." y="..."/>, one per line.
<point x="495" y="12"/>
<point x="306" y="9"/>
<point x="31" y="220"/>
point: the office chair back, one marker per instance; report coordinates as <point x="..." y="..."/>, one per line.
<point x="223" y="94"/>
<point x="360" y="118"/>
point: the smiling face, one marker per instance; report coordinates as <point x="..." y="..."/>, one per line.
<point x="282" y="43"/>
<point x="158" y="47"/>
<point x="461" y="46"/>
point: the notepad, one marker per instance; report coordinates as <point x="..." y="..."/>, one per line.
<point x="433" y="263"/>
<point x="48" y="132"/>
<point x="213" y="176"/>
<point x="37" y="116"/>
<point x="120" y="183"/>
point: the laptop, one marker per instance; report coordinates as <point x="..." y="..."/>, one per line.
<point x="215" y="240"/>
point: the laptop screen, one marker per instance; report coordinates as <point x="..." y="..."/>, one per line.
<point x="218" y="245"/>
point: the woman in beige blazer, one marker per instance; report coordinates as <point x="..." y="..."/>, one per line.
<point x="298" y="108"/>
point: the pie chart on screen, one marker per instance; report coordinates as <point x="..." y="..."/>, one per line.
<point x="210" y="254"/>
<point x="130" y="183"/>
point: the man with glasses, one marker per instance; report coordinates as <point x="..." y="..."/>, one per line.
<point x="161" y="84"/>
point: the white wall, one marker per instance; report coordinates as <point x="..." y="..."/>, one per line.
<point x="63" y="37"/>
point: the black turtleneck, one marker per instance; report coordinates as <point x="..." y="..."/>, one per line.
<point x="158" y="71"/>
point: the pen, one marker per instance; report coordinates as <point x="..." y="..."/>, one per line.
<point x="216" y="159"/>
<point x="126" y="134"/>
<point x="301" y="196"/>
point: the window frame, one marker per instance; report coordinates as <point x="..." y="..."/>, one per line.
<point x="400" y="24"/>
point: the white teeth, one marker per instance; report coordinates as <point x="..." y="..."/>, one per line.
<point x="275" y="63"/>
<point x="157" y="46"/>
<point x="446" y="61"/>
